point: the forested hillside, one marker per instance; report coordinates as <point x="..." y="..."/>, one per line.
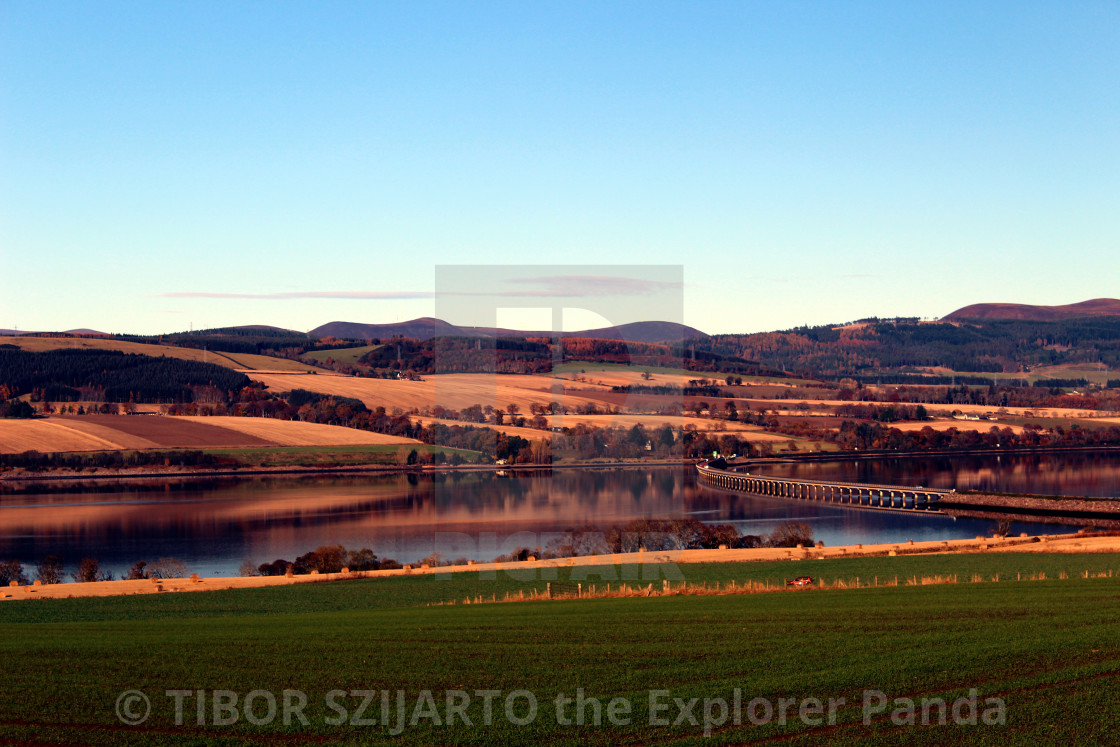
<point x="537" y="355"/>
<point x="251" y="340"/>
<point x="877" y="350"/>
<point x="110" y="376"/>
<point x="879" y="346"/>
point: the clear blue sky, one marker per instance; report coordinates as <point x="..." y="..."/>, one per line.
<point x="171" y="164"/>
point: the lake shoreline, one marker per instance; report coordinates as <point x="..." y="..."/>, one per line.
<point x="1058" y="543"/>
<point x="20" y="476"/>
<point x="141" y="473"/>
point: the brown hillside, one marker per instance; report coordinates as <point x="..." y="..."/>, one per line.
<point x="1027" y="312"/>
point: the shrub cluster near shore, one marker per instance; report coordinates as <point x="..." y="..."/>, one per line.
<point x="635" y="536"/>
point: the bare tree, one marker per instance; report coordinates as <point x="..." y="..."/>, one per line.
<point x="137" y="571"/>
<point x="791" y="534"/>
<point x="49" y="570"/>
<point x="12" y="570"/>
<point x="167" y="568"/>
<point x="90" y="570"/>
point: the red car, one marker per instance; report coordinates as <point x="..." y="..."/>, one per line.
<point x="801" y="581"/>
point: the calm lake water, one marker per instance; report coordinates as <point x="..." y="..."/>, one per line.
<point x="213" y="525"/>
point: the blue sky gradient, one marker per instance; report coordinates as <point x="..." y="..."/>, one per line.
<point x="166" y="165"/>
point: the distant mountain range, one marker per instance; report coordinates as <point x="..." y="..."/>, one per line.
<point x="982" y="341"/>
<point x="1029" y="313"/>
<point x="426" y="328"/>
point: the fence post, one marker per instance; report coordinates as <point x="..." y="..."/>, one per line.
<point x="549" y="586"/>
<point x="579" y="590"/>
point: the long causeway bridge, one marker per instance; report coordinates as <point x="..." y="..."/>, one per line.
<point x="885" y="497"/>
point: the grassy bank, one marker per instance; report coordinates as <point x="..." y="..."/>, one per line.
<point x="1048" y="648"/>
<point x="334" y="456"/>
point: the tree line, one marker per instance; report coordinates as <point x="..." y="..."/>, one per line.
<point x="656" y="535"/>
<point x="70" y="375"/>
<point x="247" y="340"/>
<point x="36" y="461"/>
<point x="528" y="355"/>
<point x="521" y="355"/>
<point x="324" y="559"/>
<point x="14" y="408"/>
<point x="885" y="346"/>
<point x="51" y="569"/>
<point x="641" y="534"/>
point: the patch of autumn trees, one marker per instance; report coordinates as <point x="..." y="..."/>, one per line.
<point x="875" y="436"/>
<point x="883" y="346"/>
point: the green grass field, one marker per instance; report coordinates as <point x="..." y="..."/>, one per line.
<point x="1049" y="650"/>
<point x="342" y="355"/>
<point x="333" y="456"/>
<point x="317" y="456"/>
<point x="1086" y="423"/>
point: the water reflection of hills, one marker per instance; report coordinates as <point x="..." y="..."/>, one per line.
<point x="264" y="518"/>
<point x="215" y="524"/>
<point x="399" y="499"/>
<point x="1096" y="475"/>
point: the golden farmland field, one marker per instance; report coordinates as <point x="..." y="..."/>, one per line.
<point x="127" y="432"/>
<point x="454" y="391"/>
<point x="960" y="425"/>
<point x="611" y="377"/>
<point x="48" y="435"/>
<point x="298" y="433"/>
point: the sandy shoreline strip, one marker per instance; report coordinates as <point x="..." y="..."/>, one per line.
<point x="1071" y="543"/>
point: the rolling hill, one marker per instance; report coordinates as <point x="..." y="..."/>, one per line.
<point x="425" y="328"/>
<point x="1029" y="313"/>
<point x="236" y="361"/>
<point x="880" y="349"/>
